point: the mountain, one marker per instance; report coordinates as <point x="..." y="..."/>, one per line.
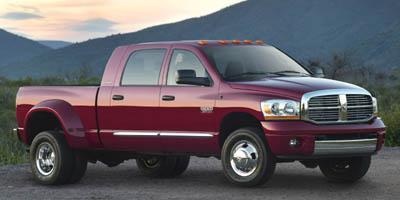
<point x="368" y="29"/>
<point x="54" y="44"/>
<point x="14" y="48"/>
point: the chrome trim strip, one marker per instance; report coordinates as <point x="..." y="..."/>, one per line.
<point x="177" y="134"/>
<point x="343" y="104"/>
<point x="328" y="147"/>
<point x="164" y="134"/>
<point x="136" y="133"/>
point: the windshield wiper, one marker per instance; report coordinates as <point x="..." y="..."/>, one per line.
<point x="285" y="72"/>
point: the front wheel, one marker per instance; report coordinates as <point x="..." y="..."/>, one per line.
<point x="246" y="158"/>
<point x="345" y="169"/>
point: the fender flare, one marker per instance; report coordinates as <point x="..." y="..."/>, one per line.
<point x="70" y="121"/>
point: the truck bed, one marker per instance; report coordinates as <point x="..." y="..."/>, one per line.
<point x="82" y="99"/>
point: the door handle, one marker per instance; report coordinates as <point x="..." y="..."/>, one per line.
<point x="117" y="97"/>
<point x="168" y="98"/>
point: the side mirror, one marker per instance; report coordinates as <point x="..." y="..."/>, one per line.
<point x="188" y="76"/>
<point x="317" y="72"/>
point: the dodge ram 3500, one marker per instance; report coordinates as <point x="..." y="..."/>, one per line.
<point x="246" y="103"/>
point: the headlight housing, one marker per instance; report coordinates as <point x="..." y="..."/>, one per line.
<point x="375" y="106"/>
<point x="280" y="109"/>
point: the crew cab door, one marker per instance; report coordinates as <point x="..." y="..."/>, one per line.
<point x="130" y="121"/>
<point x="187" y="111"/>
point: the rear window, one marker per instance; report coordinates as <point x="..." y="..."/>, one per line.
<point x="143" y="67"/>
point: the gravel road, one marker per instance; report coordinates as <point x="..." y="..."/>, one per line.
<point x="204" y="180"/>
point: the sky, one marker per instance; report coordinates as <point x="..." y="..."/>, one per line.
<point x="80" y="20"/>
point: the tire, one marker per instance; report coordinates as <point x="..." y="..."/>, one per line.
<point x="345" y="169"/>
<point x="254" y="163"/>
<point x="79" y="169"/>
<point x="156" y="166"/>
<point x="51" y="159"/>
<point x="182" y="163"/>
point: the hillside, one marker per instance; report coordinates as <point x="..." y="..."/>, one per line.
<point x="306" y="29"/>
<point x="54" y="44"/>
<point x="14" y="48"/>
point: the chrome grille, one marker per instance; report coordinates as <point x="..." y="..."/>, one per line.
<point x="358" y="100"/>
<point x="324" y="101"/>
<point x="337" y="106"/>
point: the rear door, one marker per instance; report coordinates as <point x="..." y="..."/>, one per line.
<point x="187" y="111"/>
<point x="130" y="121"/>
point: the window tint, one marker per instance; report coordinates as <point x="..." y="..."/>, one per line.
<point x="183" y="59"/>
<point x="143" y="67"/>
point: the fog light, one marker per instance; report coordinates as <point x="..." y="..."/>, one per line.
<point x="294" y="142"/>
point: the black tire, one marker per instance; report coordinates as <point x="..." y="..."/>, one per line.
<point x="345" y="169"/>
<point x="182" y="163"/>
<point x="61" y="171"/>
<point x="79" y="169"/>
<point x="156" y="166"/>
<point x="253" y="139"/>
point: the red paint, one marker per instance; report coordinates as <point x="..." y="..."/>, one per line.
<point x="143" y="110"/>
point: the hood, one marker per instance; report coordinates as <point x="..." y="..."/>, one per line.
<point x="293" y="87"/>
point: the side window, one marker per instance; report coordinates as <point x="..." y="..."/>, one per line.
<point x="185" y="60"/>
<point x="143" y="67"/>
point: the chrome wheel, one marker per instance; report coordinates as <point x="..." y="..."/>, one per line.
<point x="45" y="159"/>
<point x="244" y="158"/>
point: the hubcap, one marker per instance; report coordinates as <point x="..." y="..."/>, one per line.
<point x="45" y="159"/>
<point x="151" y="162"/>
<point x="244" y="158"/>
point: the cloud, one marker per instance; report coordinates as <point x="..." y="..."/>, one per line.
<point x="95" y="25"/>
<point x="20" y="16"/>
<point x="25" y="8"/>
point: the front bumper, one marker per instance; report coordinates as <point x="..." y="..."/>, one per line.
<point x="323" y="140"/>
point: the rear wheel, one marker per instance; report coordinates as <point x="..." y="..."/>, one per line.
<point x="79" y="168"/>
<point x="345" y="169"/>
<point x="51" y="159"/>
<point x="162" y="166"/>
<point x="182" y="163"/>
<point x="246" y="158"/>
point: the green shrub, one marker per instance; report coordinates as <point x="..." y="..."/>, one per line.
<point x="391" y="118"/>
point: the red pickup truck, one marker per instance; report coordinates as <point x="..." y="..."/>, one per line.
<point x="246" y="103"/>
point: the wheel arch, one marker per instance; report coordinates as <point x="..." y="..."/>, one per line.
<point x="55" y="115"/>
<point x="236" y="120"/>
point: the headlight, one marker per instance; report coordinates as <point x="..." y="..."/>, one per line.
<point x="375" y="106"/>
<point x="280" y="109"/>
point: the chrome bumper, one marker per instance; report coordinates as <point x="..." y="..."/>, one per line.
<point x="339" y="147"/>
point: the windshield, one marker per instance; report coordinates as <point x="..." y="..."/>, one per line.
<point x="246" y="63"/>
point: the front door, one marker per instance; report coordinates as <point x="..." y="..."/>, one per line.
<point x="187" y="111"/>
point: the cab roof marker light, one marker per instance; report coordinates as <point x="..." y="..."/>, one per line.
<point x="247" y="41"/>
<point x="202" y="42"/>
<point x="260" y="42"/>
<point x="236" y="41"/>
<point x="223" y="42"/>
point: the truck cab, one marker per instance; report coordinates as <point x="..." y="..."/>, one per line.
<point x="246" y="103"/>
